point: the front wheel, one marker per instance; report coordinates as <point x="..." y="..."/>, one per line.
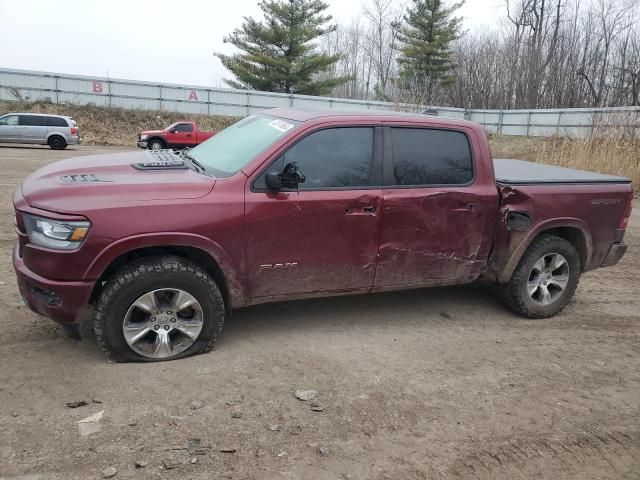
<point x="158" y="308"/>
<point x="545" y="279"/>
<point x="156" y="144"/>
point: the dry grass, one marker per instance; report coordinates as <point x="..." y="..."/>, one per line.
<point x="115" y="126"/>
<point x="604" y="154"/>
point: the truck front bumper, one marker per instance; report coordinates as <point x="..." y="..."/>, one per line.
<point x="142" y="143"/>
<point x="65" y="303"/>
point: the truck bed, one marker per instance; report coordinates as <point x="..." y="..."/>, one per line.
<point x="521" y="172"/>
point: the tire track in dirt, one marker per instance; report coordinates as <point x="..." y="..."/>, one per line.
<point x="613" y="454"/>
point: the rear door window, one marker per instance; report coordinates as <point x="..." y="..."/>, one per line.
<point x="426" y="157"/>
<point x="184" y="127"/>
<point x="33" y="121"/>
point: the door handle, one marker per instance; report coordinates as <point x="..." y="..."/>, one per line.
<point x="368" y="210"/>
<point x="466" y="207"/>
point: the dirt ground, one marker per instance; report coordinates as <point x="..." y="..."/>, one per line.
<point x="427" y="384"/>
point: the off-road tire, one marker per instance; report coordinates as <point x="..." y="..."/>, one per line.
<point x="56" y="142"/>
<point x="515" y="294"/>
<point x="146" y="274"/>
<point x="157" y="141"/>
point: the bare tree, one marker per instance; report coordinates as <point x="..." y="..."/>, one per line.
<point x="545" y="54"/>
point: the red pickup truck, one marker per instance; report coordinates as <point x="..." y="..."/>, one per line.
<point x="155" y="249"/>
<point x="177" y="135"/>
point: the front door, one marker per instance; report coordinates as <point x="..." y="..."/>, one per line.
<point x="10" y="129"/>
<point x="436" y="209"/>
<point x="181" y="135"/>
<point x="324" y="235"/>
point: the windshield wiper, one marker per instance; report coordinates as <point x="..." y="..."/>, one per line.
<point x="196" y="164"/>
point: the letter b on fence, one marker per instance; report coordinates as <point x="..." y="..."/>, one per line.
<point x="97" y="87"/>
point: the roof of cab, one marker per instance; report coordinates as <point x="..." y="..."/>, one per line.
<point x="302" y="115"/>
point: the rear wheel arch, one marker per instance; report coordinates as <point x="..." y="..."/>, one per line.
<point x="576" y="237"/>
<point x="56" y="141"/>
<point x="574" y="231"/>
<point x="196" y="255"/>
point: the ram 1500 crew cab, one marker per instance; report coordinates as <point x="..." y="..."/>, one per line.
<point x="155" y="249"/>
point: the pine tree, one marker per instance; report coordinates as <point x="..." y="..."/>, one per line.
<point x="279" y="53"/>
<point x="426" y="58"/>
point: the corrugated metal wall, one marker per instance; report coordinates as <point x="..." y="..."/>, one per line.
<point x="84" y="90"/>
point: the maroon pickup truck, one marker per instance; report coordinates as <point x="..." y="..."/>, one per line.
<point x="155" y="249"/>
<point x="177" y="135"/>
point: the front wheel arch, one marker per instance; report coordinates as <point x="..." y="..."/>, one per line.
<point x="156" y="139"/>
<point x="194" y="254"/>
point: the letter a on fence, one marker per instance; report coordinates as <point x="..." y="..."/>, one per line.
<point x="193" y="95"/>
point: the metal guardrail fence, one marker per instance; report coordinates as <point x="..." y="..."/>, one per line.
<point x="109" y="92"/>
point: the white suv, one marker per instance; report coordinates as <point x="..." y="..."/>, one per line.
<point x="57" y="131"/>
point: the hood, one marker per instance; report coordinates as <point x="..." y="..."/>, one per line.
<point x="82" y="183"/>
<point x="152" y="132"/>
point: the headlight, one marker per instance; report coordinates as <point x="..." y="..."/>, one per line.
<point x="58" y="234"/>
<point x="144" y="137"/>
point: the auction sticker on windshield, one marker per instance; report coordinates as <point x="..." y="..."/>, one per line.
<point x="281" y="125"/>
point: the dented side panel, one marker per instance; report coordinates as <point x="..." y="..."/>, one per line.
<point x="438" y="234"/>
<point x="433" y="235"/>
<point x="592" y="211"/>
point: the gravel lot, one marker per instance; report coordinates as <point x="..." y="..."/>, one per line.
<point x="427" y="384"/>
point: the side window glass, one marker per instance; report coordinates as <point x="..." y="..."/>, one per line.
<point x="423" y="156"/>
<point x="331" y="158"/>
<point x="32" y="120"/>
<point x="184" y="127"/>
<point x="57" y="122"/>
<point x="11" y="120"/>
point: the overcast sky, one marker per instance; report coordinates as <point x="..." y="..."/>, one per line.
<point x="159" y="40"/>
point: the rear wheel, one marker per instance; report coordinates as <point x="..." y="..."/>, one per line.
<point x="158" y="308"/>
<point x="156" y="144"/>
<point x="56" y="142"/>
<point x="545" y="279"/>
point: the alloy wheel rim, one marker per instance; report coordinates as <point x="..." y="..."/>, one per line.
<point x="163" y="323"/>
<point x="548" y="279"/>
<point x="156" y="146"/>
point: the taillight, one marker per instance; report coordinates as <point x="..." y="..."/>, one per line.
<point x="624" y="220"/>
<point x="74" y="131"/>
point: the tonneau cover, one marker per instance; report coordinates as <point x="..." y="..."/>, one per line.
<point x="521" y="172"/>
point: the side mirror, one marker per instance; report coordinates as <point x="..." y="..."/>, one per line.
<point x="273" y="181"/>
<point x="289" y="178"/>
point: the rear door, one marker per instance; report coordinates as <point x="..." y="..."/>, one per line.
<point x="436" y="209"/>
<point x="323" y="236"/>
<point x="182" y="135"/>
<point x="33" y="128"/>
<point x="10" y="129"/>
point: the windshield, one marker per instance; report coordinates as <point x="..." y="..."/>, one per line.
<point x="234" y="147"/>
